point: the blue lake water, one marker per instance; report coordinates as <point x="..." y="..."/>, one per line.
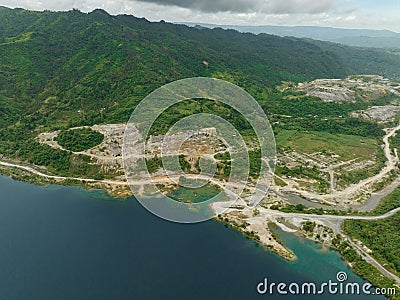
<point x="65" y="243"/>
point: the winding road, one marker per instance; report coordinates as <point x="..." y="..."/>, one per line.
<point x="352" y="190"/>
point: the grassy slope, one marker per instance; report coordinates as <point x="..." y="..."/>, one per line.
<point x="346" y="146"/>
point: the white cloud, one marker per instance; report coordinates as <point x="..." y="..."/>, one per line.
<point x="248" y="6"/>
<point x="298" y="6"/>
<point x="336" y="13"/>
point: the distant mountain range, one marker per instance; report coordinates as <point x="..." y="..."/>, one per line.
<point x="350" y="37"/>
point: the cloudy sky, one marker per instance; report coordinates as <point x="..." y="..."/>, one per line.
<point x="375" y="14"/>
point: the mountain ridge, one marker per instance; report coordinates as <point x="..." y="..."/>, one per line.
<point x="347" y="36"/>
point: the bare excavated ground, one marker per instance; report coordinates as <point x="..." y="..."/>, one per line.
<point x="329" y="160"/>
<point x="366" y="87"/>
<point x="381" y="114"/>
<point x="108" y="154"/>
<point x="328" y="165"/>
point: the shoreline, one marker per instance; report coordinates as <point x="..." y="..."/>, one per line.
<point x="115" y="189"/>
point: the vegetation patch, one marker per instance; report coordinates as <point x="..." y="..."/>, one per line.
<point x="153" y="164"/>
<point x="78" y="140"/>
<point x="193" y="194"/>
<point x="388" y="203"/>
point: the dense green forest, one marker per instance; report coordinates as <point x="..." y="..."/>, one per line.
<point x="65" y="69"/>
<point x="381" y="237"/>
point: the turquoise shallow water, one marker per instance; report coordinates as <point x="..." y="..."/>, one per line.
<point x="315" y="260"/>
<point x="65" y="243"/>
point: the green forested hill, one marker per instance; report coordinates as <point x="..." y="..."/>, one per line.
<point x="55" y="63"/>
<point x="75" y="61"/>
<point x="65" y="69"/>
